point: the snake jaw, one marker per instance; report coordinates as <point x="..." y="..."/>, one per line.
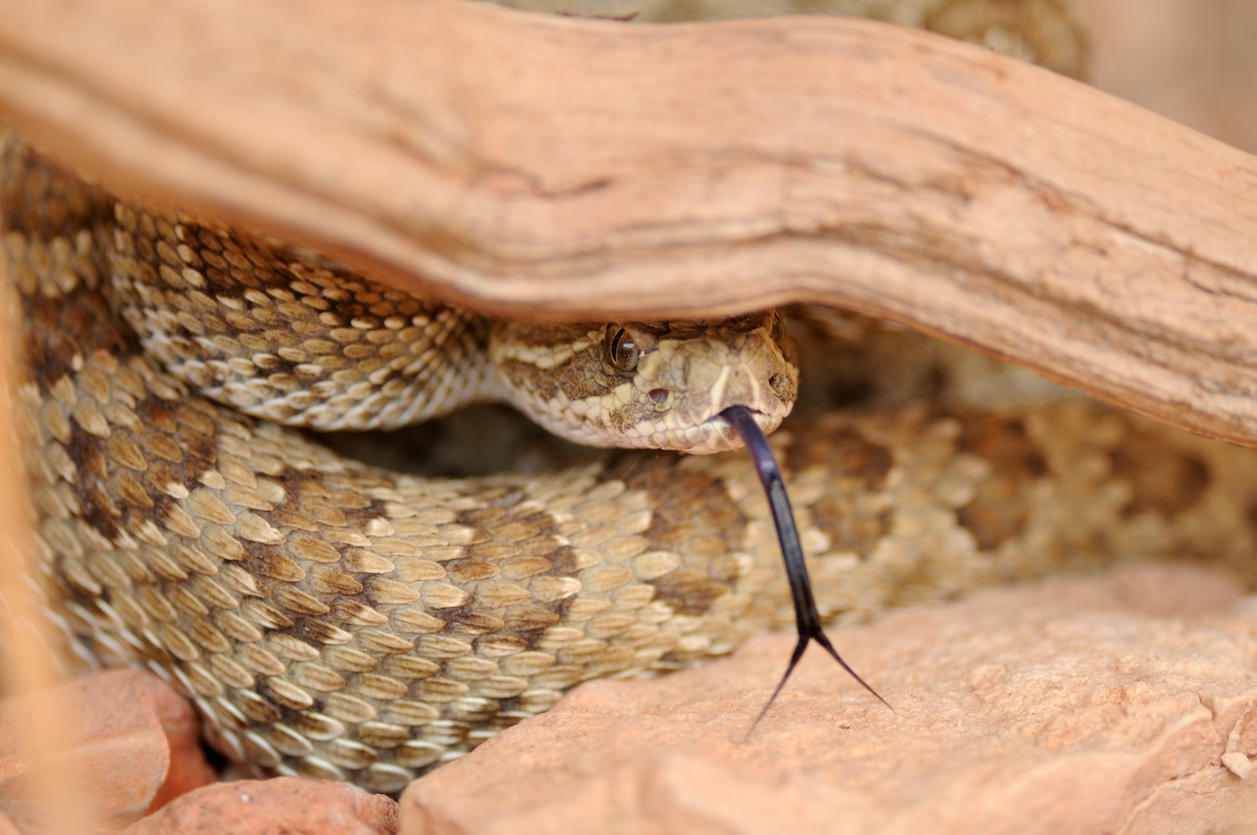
<point x="721" y="436"/>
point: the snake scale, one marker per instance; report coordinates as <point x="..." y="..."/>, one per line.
<point x="338" y="620"/>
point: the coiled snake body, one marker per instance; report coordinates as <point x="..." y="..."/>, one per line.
<point x="337" y="620"/>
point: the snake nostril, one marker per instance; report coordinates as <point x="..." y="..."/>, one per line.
<point x="776" y="382"/>
<point x="658" y="395"/>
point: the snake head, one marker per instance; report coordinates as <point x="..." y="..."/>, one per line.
<point x="654" y="385"/>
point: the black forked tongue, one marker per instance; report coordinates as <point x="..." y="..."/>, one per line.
<point x="806" y="618"/>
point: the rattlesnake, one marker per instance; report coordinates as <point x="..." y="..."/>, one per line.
<point x="338" y="620"/>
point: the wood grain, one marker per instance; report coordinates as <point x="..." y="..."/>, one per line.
<point x="529" y="164"/>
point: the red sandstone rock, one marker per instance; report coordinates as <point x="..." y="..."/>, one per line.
<point x="134" y="747"/>
<point x="188" y="768"/>
<point x="1121" y="703"/>
<point x="283" y="806"/>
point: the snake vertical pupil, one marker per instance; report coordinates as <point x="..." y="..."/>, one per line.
<point x="622" y="352"/>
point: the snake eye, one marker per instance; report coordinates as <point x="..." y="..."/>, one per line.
<point x="621" y="351"/>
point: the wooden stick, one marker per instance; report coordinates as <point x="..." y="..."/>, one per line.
<point x="40" y="780"/>
<point x="526" y="164"/>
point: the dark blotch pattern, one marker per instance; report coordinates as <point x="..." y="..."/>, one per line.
<point x="1001" y="508"/>
<point x="1164" y="482"/>
<point x="858" y="466"/>
<point x="692" y="516"/>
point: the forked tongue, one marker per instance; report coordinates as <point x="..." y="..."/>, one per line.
<point x="806" y="618"/>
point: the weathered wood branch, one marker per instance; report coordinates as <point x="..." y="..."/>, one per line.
<point x="528" y="164"/>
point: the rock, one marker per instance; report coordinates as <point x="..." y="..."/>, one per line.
<point x="188" y="769"/>
<point x="1126" y="702"/>
<point x="134" y="746"/>
<point x="288" y="805"/>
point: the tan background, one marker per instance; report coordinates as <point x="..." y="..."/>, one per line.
<point x="1194" y="61"/>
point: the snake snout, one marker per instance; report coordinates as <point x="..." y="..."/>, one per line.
<point x="754" y="370"/>
<point x="759" y="375"/>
